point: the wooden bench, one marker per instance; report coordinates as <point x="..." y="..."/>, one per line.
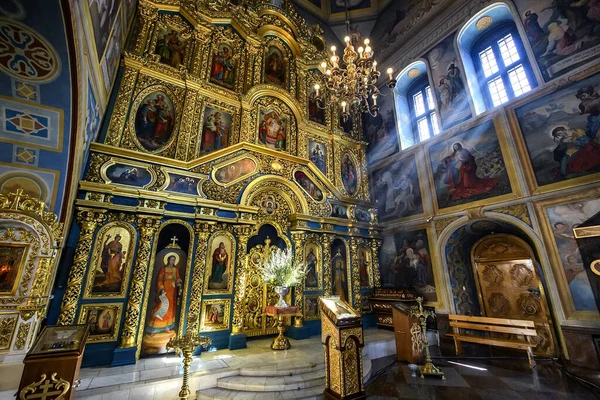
<point x="497" y="325"/>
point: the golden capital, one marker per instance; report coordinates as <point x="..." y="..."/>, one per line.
<point x="148" y="11"/>
<point x="148" y="225"/>
<point x="89" y="219"/>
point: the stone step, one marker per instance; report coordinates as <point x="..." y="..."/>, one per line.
<point x="313" y="393"/>
<point x="273" y="384"/>
<point x="283" y="369"/>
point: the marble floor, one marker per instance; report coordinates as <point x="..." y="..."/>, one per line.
<point x="159" y="378"/>
<point x="495" y="379"/>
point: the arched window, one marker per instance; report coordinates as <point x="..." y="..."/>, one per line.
<point x="503" y="68"/>
<point x="422" y="109"/>
<point x="495" y="58"/>
<point x="416" y="105"/>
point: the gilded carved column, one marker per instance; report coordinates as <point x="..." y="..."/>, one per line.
<point x="148" y="14"/>
<point x="243" y="234"/>
<point x="88" y="220"/>
<point x="355" y="275"/>
<point x="375" y="246"/>
<point x="326" y="240"/>
<point x="299" y="239"/>
<point x="147" y="226"/>
<point x="193" y="316"/>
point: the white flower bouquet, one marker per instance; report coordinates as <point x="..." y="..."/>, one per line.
<point x="280" y="270"/>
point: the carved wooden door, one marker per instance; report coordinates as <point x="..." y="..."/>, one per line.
<point x="509" y="286"/>
<point x="258" y="295"/>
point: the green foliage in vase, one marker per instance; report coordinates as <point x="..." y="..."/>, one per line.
<point x="280" y="270"/>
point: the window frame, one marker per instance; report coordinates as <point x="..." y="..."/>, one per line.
<point x="420" y="86"/>
<point x="491" y="39"/>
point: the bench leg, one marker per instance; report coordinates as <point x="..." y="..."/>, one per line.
<point x="532" y="363"/>
<point x="458" y="347"/>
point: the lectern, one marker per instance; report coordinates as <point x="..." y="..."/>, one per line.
<point x="52" y="365"/>
<point x="343" y="340"/>
<point x="407" y="332"/>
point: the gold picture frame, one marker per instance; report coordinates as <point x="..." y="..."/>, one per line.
<point x="312" y="243"/>
<point x="214" y="241"/>
<point x="11" y="269"/>
<point x="312" y="311"/>
<point x="217" y="309"/>
<point x="104" y="320"/>
<point x="98" y="253"/>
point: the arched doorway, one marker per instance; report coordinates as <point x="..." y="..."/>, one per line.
<point x="258" y="294"/>
<point x="509" y="286"/>
<point x="457" y="247"/>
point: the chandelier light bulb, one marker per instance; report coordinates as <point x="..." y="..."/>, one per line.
<point x="390" y="72"/>
<point x="323" y="65"/>
<point x="374" y="65"/>
<point x="333" y="49"/>
<point x="328" y="72"/>
<point x="343" y="106"/>
<point x="367" y="41"/>
<point x="374" y="99"/>
<point x="347" y="39"/>
<point x="368" y="49"/>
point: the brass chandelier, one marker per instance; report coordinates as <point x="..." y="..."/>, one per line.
<point x="353" y="81"/>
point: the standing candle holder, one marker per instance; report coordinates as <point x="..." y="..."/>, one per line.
<point x="428" y="368"/>
<point x="187" y="344"/>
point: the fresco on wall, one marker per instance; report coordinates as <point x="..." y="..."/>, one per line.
<point x="396" y="189"/>
<point x="170" y="46"/>
<point x="380" y="132"/>
<point x="349" y="174"/>
<point x="406" y="263"/>
<point x="308" y="185"/>
<point x="275" y="68"/>
<point x="272" y="130"/>
<point x="110" y="63"/>
<point x="223" y="67"/>
<point x="128" y="175"/>
<point x="460" y="271"/>
<point x="562" y="132"/>
<point x="469" y="167"/>
<point x="563" y="218"/>
<point x="362" y="215"/>
<point x="340" y="5"/>
<point x="103" y="14"/>
<point x="154" y="120"/>
<point x="339" y="277"/>
<point x="215" y="130"/>
<point x="449" y="83"/>
<point x="236" y="170"/>
<point x="563" y="35"/>
<point x="317" y="153"/>
<point x="388" y="25"/>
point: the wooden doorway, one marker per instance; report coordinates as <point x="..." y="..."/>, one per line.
<point x="509" y="286"/>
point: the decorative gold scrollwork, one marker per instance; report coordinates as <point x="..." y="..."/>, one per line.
<point x="54" y="388"/>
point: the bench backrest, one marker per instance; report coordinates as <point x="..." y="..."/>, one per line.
<point x="487" y="324"/>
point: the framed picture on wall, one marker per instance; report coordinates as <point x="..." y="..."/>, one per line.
<point x="104" y="321"/>
<point x="215" y="315"/>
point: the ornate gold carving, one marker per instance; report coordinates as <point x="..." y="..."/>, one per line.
<point x="375" y="246"/>
<point x="243" y="234"/>
<point x="88" y="220"/>
<point x="22" y="335"/>
<point x="44" y="387"/>
<point x="326" y="240"/>
<point x="147" y="226"/>
<point x="36" y="208"/>
<point x="442" y="223"/>
<point x="7" y="328"/>
<point x="519" y="211"/>
<point x="355" y="275"/>
<point x="299" y="238"/>
<point x="202" y="231"/>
